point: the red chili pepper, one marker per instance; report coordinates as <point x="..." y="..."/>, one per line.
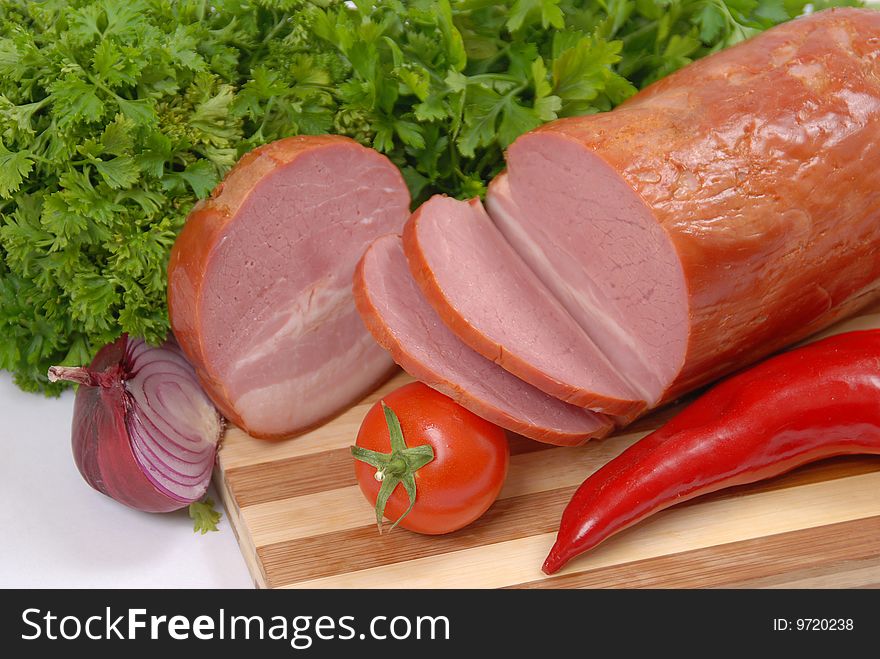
<point x="814" y="402"/>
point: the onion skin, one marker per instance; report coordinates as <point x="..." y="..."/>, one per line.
<point x="102" y="447"/>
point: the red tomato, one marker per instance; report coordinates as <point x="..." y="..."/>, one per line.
<point x="466" y="474"/>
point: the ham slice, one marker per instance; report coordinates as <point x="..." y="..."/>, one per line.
<point x="721" y="214"/>
<point x="402" y="321"/>
<point x="259" y="290"/>
<point x="491" y="299"/>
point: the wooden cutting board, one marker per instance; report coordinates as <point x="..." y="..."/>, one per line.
<point x="301" y="521"/>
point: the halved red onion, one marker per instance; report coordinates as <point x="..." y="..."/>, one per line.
<point x="144" y="432"/>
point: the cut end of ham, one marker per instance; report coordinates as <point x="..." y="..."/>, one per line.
<point x="400" y="318"/>
<point x="597" y="247"/>
<point x="260" y="282"/>
<point x="716" y="216"/>
<point x="494" y="302"/>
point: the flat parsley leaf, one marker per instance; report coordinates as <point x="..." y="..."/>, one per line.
<point x="14" y="168"/>
<point x="204" y="516"/>
<point x="546" y="11"/>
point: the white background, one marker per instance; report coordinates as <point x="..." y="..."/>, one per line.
<point x="56" y="531"/>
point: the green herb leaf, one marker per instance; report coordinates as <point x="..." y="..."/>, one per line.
<point x="580" y="72"/>
<point x="204" y="516"/>
<point x="547" y="12"/>
<point x="76" y="99"/>
<point x="14" y="167"/>
<point x="118" y="138"/>
<point x="201" y="177"/>
<point x="516" y="120"/>
<point x="140" y="111"/>
<point x="119" y="172"/>
<point x="711" y="19"/>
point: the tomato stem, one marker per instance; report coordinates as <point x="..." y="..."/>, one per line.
<point x="395" y="468"/>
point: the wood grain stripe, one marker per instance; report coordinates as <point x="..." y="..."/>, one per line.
<point x="309" y="515"/>
<point x="241" y="530"/>
<point x="739" y="563"/>
<point x="850" y="574"/>
<point x="533" y="514"/>
<point x="345" y="508"/>
<point x="315" y="472"/>
<point x="291" y="477"/>
<point x="363" y="548"/>
<point x="673" y="531"/>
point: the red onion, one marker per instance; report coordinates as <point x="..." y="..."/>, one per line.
<point x="144" y="432"/>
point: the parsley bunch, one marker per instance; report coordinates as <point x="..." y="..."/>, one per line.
<point x="116" y="115"/>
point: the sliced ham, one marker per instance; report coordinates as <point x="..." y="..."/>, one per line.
<point x="496" y="305"/>
<point x="574" y="268"/>
<point x="724" y="212"/>
<point x="402" y="321"/>
<point x="259" y="290"/>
